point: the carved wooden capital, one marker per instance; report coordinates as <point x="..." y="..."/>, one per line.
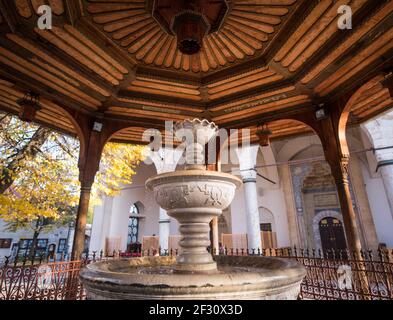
<point x="341" y="172"/>
<point x="343" y="177"/>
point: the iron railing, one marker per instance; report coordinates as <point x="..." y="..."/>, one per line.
<point x="334" y="275"/>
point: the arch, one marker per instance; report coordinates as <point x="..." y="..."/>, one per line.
<point x="266" y="156"/>
<point x="344" y="116"/>
<point x="266" y="216"/>
<point x="292" y="148"/>
<point x="315" y="225"/>
<point x="135" y="223"/>
<point x="140" y="206"/>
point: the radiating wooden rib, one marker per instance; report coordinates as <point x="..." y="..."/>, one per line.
<point x="369" y="100"/>
<point x="169" y="83"/>
<point x="359" y="62"/>
<point x="56" y="116"/>
<point x="53" y="120"/>
<point x="165" y="93"/>
<point x="178" y="60"/>
<point x="124" y="23"/>
<point x="165" y="87"/>
<point x="54" y="71"/>
<point x="27" y="45"/>
<point x="256" y="17"/>
<point x="5" y="83"/>
<point x="237" y="43"/>
<point x="143" y="114"/>
<point x="246" y="86"/>
<point x="169" y="59"/>
<point x="310" y="36"/>
<point x="89" y="50"/>
<point x="321" y="39"/>
<point x="96" y="49"/>
<point x="186" y="63"/>
<point x="261" y="27"/>
<point x="253" y="99"/>
<point x="284" y="103"/>
<point x="155" y="49"/>
<point x="215" y="51"/>
<point x="369" y="92"/>
<point x="372" y="104"/>
<point x="211" y="60"/>
<point x="365" y="112"/>
<point x="58" y="42"/>
<point x="8" y="101"/>
<point x="375" y="100"/>
<point x="274" y="11"/>
<point x="240" y="79"/>
<point x="35" y="72"/>
<point x="7" y="107"/>
<point x="23" y="8"/>
<point x="222" y="48"/>
<point x="203" y="61"/>
<point x="235" y="51"/>
<point x="255" y="33"/>
<point x="132" y="34"/>
<point x="103" y="7"/>
<point x="357" y="34"/>
<point x="111" y="17"/>
<point x="10" y="92"/>
<point x="312" y="18"/>
<point x="179" y="107"/>
<point x="246" y="82"/>
<point x="195" y="64"/>
<point x="245" y="37"/>
<point x="144" y="40"/>
<point x="159" y="60"/>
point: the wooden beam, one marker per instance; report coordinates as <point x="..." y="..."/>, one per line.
<point x="7" y="10"/>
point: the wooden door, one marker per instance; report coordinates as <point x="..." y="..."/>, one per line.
<point x="332" y="236"/>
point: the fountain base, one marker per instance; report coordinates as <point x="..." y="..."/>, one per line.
<point x="156" y="278"/>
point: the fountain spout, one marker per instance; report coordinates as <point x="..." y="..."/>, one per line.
<point x="195" y="133"/>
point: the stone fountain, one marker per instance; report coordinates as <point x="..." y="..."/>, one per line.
<point x="194" y="196"/>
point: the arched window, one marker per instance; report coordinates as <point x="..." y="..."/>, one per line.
<point x="133" y="225"/>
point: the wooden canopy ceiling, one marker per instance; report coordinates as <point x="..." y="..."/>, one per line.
<point x="112" y="59"/>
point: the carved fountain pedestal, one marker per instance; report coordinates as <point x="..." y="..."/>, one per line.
<point x="194" y="197"/>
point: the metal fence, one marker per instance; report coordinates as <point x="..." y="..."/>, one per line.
<point x="330" y="276"/>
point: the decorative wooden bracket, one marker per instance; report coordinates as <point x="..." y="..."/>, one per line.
<point x="29" y="105"/>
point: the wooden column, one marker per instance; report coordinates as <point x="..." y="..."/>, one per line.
<point x="338" y="160"/>
<point x="89" y="161"/>
<point x="340" y="172"/>
<point x="80" y="225"/>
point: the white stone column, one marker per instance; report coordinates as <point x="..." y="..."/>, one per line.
<point x="165" y="160"/>
<point x="386" y="168"/>
<point x="247" y="160"/>
<point x="381" y="133"/>
<point x="164" y="229"/>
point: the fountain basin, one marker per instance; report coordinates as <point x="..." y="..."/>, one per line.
<point x="155" y="278"/>
<point x="194" y="198"/>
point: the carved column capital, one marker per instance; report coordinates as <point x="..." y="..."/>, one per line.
<point x="249" y="175"/>
<point x="340" y="172"/>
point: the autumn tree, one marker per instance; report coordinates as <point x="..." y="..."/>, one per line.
<point x="39" y="185"/>
<point x="38" y="177"/>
